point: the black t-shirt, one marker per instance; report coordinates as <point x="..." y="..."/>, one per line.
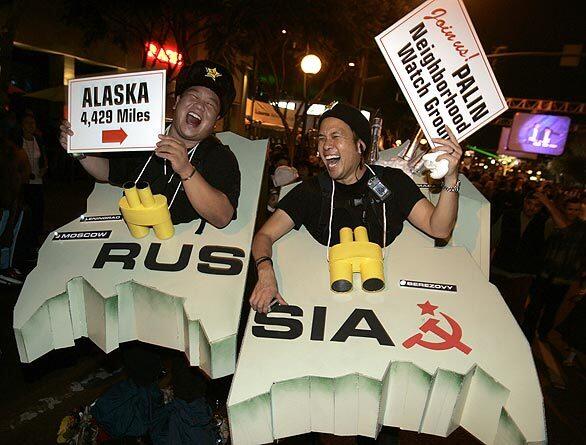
<point x="215" y="161"/>
<point x="351" y="209"/>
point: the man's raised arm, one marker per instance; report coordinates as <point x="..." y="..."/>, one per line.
<point x="439" y="221"/>
<point x="262" y="251"/>
<point x="96" y="166"/>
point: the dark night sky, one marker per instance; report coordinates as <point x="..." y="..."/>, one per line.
<point x="521" y="25"/>
<point x="538" y="25"/>
<point x="524" y="25"/>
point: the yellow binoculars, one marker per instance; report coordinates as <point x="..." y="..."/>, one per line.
<point x="142" y="210"/>
<point x="355" y="254"/>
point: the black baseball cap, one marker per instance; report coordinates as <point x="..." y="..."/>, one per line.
<point x="352" y="117"/>
<point x="211" y="75"/>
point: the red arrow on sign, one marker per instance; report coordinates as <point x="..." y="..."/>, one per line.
<point x="112" y="136"/>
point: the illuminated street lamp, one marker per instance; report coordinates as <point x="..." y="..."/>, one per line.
<point x="311" y="64"/>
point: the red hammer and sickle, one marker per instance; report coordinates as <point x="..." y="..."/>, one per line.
<point x="450" y="341"/>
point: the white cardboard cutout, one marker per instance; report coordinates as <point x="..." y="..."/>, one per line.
<point x="65" y="297"/>
<point x="285" y="387"/>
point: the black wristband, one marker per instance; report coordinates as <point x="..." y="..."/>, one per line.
<point x="191" y="174"/>
<point x="262" y="259"/>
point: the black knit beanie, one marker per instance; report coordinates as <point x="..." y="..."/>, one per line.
<point x="351" y="116"/>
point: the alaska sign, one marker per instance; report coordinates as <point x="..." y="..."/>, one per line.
<point x="119" y="112"/>
<point x="440" y="354"/>
<point x="184" y="293"/>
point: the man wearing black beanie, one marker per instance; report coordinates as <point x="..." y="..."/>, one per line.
<point x="194" y="170"/>
<point x="348" y="197"/>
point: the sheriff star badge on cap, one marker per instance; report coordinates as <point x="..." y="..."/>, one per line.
<point x="212" y="73"/>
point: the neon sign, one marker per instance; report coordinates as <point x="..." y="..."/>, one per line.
<point x="163" y="55"/>
<point x="539" y="133"/>
<point x="544" y="141"/>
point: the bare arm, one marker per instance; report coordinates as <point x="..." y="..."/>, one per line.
<point x="439" y="221"/>
<point x="96" y="166"/>
<point x="559" y="219"/>
<point x="266" y="288"/>
<point x="209" y="202"/>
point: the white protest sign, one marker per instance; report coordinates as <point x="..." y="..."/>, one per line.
<point x="436" y="57"/>
<point x="121" y="112"/>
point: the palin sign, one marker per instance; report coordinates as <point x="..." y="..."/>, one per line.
<point x="123" y="112"/>
<point x="436" y="57"/>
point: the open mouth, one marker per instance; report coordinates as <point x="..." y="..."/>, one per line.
<point x="193" y="119"/>
<point x="332" y="160"/>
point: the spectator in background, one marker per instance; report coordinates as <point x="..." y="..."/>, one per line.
<point x="489" y="189"/>
<point x="284" y="175"/>
<point x="33" y="189"/>
<point x="518" y="192"/>
<point x="14" y="174"/>
<point x="315" y="162"/>
<point x="304" y="171"/>
<point x="280" y="160"/>
<point x="573" y="328"/>
<point x="518" y="239"/>
<point x="9" y="126"/>
<point x="564" y="259"/>
<point x="499" y="198"/>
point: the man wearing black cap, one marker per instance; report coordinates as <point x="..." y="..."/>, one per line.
<point x="201" y="179"/>
<point x="198" y="175"/>
<point x="343" y="198"/>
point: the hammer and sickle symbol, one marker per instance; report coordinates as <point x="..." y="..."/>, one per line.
<point x="450" y="341"/>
